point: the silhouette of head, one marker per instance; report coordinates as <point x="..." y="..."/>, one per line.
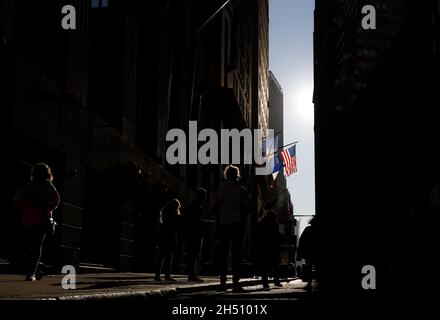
<point x="170" y="209"/>
<point x="174" y="205"/>
<point x="232" y="173"/>
<point x="41" y="172"/>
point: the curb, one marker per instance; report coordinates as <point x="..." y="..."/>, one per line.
<point x="149" y="294"/>
<point x="127" y="295"/>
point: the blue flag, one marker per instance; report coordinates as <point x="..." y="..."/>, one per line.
<point x="270" y="148"/>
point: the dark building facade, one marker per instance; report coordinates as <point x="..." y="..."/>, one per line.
<point x="276" y="113"/>
<point x="276" y="107"/>
<point x="96" y="103"/>
<point x="374" y="97"/>
<point x="282" y="202"/>
<point x="276" y="118"/>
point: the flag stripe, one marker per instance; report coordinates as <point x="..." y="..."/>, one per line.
<point x="289" y="160"/>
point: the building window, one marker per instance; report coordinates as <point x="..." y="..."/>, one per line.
<point x="99" y="3"/>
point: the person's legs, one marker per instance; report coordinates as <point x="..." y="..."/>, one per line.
<point x="161" y="261"/>
<point x="273" y="261"/>
<point x="308" y="274"/>
<point x="37" y="270"/>
<point x="276" y="275"/>
<point x="168" y="263"/>
<point x="193" y="252"/>
<point x="262" y="266"/>
<point x="237" y="244"/>
<point x="223" y="248"/>
<point x="34" y="248"/>
<point x="159" y="264"/>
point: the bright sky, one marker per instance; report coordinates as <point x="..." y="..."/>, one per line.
<point x="291" y="61"/>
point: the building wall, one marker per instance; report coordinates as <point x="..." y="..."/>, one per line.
<point x="360" y="134"/>
<point x="276" y="107"/>
<point x="276" y="122"/>
<point x="96" y="103"/>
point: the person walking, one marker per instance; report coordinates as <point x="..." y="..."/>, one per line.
<point x="195" y="229"/>
<point x="36" y="202"/>
<point x="268" y="242"/>
<point x="169" y="221"/>
<point x="307" y="250"/>
<point x="231" y="205"/>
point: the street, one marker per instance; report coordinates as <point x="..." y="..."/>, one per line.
<point x="290" y="291"/>
<point x="139" y="286"/>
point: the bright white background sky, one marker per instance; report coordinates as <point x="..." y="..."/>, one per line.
<point x="291" y="61"/>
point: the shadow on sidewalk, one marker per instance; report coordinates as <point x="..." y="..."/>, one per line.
<point x="93" y="285"/>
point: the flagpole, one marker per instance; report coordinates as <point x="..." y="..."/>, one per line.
<point x="211" y="17"/>
<point x="287" y="145"/>
<point x="196" y="56"/>
<point x="290" y="144"/>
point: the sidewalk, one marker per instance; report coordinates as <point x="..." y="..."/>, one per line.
<point x="105" y="286"/>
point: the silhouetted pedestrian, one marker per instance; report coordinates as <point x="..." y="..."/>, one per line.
<point x="169" y="225"/>
<point x="231" y="204"/>
<point x="268" y="248"/>
<point x="35" y="202"/>
<point x="307" y="250"/>
<point x="195" y="229"/>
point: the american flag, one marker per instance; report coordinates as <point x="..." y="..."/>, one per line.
<point x="289" y="159"/>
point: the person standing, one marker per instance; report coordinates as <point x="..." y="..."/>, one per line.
<point x="231" y="204"/>
<point x="195" y="229"/>
<point x="36" y="202"/>
<point x="169" y="221"/>
<point x="307" y="250"/>
<point x="268" y="246"/>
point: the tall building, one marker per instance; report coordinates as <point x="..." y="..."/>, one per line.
<point x="276" y="118"/>
<point x="261" y="65"/>
<point x="358" y="53"/>
<point x="279" y="194"/>
<point x="276" y="108"/>
<point x="371" y="93"/>
<point x="96" y="103"/>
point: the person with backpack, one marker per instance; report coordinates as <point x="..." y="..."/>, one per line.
<point x="232" y="204"/>
<point x="35" y="202"/>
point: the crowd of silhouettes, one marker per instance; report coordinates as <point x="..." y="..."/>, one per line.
<point x="230" y="206"/>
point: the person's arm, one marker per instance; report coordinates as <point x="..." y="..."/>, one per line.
<point x="54" y="201"/>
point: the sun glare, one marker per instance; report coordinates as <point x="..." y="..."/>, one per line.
<point x="303" y="104"/>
